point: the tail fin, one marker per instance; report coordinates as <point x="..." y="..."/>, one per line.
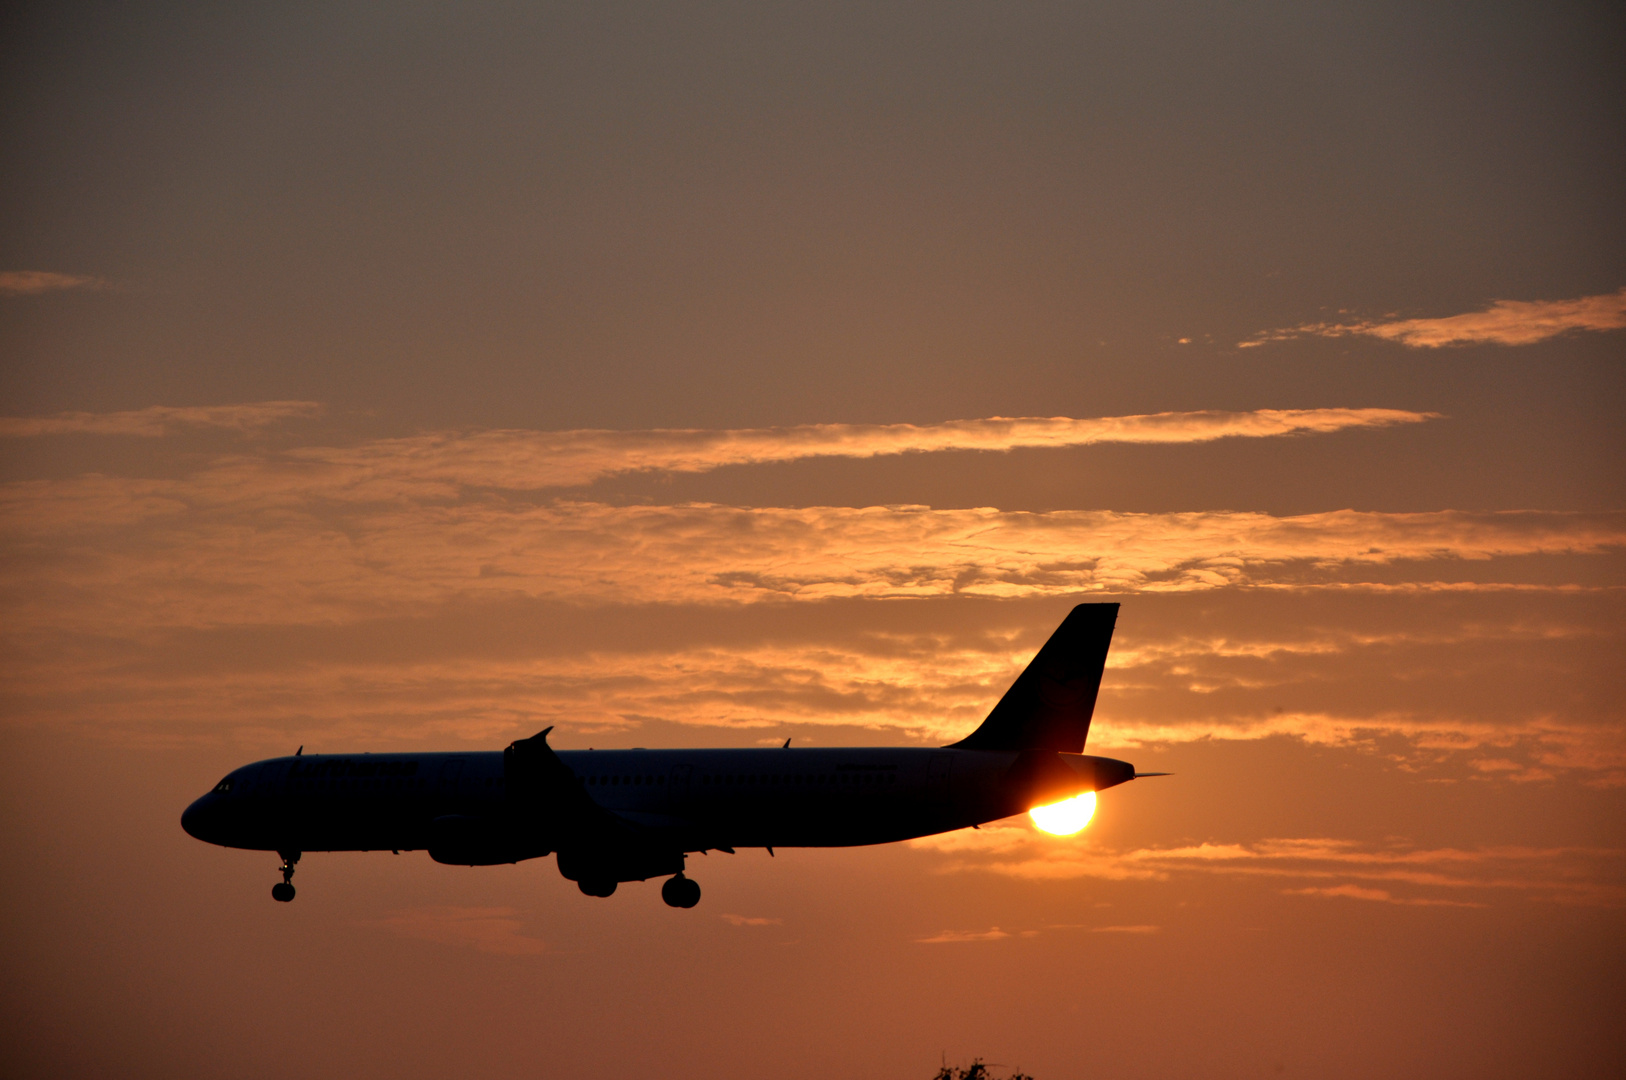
<point x="1050" y="704"/>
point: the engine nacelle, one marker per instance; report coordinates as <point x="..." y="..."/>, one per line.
<point x="619" y="865"/>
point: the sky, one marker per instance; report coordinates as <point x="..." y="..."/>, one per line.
<point x="416" y="377"/>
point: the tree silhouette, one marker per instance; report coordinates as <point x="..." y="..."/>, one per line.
<point x="977" y="1070"/>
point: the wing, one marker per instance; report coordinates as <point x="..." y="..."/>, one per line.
<point x="593" y="842"/>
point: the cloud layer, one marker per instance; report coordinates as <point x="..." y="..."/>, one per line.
<point x="252" y="542"/>
<point x="1394" y="872"/>
<point x="531" y="460"/>
<point x="246" y="596"/>
<point x="494" y="930"/>
<point x="34" y="282"/>
<point x="1504" y="322"/>
<point x="159" y="420"/>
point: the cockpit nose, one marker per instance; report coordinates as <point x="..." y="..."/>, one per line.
<point x="199" y="818"/>
<point x="208" y="818"/>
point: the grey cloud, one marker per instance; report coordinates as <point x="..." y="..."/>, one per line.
<point x="35" y="282"/>
<point x="159" y="420"/>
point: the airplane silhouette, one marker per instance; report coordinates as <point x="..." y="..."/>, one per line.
<point x="630" y="815"/>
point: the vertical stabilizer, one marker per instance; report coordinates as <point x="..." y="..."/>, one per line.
<point x="1050" y="704"/>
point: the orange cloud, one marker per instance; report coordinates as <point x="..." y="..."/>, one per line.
<point x="203" y="658"/>
<point x="110" y="574"/>
<point x="1598" y="748"/>
<point x="1356" y="892"/>
<point x="1562" y="875"/>
<point x="750" y="920"/>
<point x="489" y="930"/>
<point x="1505" y="322"/>
<point x="930" y="695"/>
<point x="34" y="282"/>
<point x="159" y="420"/>
<point x="253" y="541"/>
<point x="532" y="460"/>
<point x="956" y="936"/>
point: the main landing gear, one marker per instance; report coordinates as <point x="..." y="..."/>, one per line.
<point x="680" y="891"/>
<point x="283" y="891"/>
<point x="596" y="888"/>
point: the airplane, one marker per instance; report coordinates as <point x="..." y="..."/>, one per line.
<point x="613" y="816"/>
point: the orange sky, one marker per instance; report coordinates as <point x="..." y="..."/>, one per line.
<point x="417" y="379"/>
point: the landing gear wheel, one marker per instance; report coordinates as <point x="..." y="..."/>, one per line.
<point x="283" y="891"/>
<point x="680" y="892"/>
<point x="597" y="888"/>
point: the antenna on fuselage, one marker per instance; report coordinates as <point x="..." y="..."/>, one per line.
<point x="787" y="744"/>
<point x="300" y="752"/>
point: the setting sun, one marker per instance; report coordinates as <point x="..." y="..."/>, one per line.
<point x="1066" y="817"/>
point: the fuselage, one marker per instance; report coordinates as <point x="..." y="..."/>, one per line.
<point x="694" y="800"/>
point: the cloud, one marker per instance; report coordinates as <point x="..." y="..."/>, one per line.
<point x="751" y="920"/>
<point x="159" y="420"/>
<point x="1125" y="929"/>
<point x="112" y="578"/>
<point x="534" y="460"/>
<point x="489" y="930"/>
<point x="1356" y="892"/>
<point x="919" y="693"/>
<point x="1429" y="684"/>
<point x="956" y="936"/>
<point x="263" y="543"/>
<point x="259" y="592"/>
<point x="1550" y="746"/>
<point x="1504" y="322"/>
<point x="1436" y="877"/>
<point x="34" y="282"/>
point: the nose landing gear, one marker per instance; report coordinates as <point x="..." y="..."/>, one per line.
<point x="283" y="891"/>
<point x="680" y="891"/>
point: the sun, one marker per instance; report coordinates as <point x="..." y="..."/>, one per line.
<point x="1066" y="817"/>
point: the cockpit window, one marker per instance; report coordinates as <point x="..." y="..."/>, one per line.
<point x="224" y="786"/>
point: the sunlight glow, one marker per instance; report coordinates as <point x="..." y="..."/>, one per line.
<point x="1066" y="817"/>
